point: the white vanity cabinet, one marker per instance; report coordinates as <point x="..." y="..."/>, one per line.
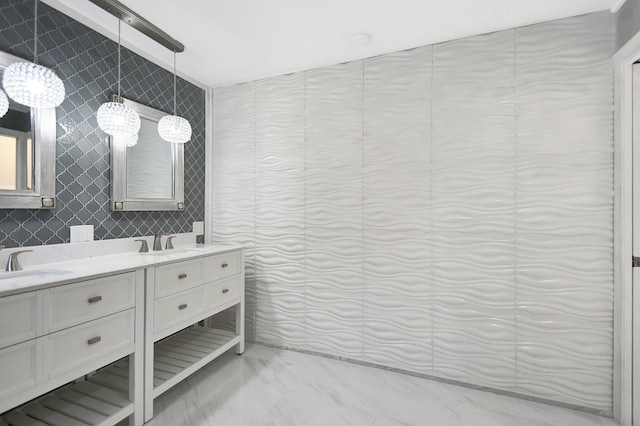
<point x="51" y="337"/>
<point x="180" y="297"/>
<point x="98" y="347"/>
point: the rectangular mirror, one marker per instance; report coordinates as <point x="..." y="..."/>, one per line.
<point x="27" y="153"/>
<point x="149" y="175"/>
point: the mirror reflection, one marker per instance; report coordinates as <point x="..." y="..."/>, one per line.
<point x="16" y="149"/>
<point x="150" y="165"/>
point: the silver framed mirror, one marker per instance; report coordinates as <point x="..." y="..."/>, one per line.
<point x="150" y="175"/>
<point x="27" y="153"/>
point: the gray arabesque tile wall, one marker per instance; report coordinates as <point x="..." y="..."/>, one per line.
<point x="87" y="63"/>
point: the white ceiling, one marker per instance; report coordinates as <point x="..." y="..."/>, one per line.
<point x="232" y="41"/>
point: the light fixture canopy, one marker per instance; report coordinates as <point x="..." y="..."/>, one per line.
<point x="117" y="119"/>
<point x="4" y="103"/>
<point x="31" y="84"/>
<point x="361" y="39"/>
<point x="173" y="128"/>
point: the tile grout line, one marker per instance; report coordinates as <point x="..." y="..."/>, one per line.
<point x="515" y="206"/>
<point x="306" y="235"/>
<point x="362" y="274"/>
<point x="255" y="208"/>
<point x="431" y="203"/>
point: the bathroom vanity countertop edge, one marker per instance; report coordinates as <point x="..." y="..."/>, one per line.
<point x="100" y="266"/>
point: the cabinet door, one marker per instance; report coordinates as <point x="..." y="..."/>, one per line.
<point x="78" y="348"/>
<point x="179" y="276"/>
<point x="21" y="367"/>
<point x="221" y="265"/>
<point x="222" y="292"/>
<point x="78" y="303"/>
<point x="178" y="309"/>
<point x="20" y="318"/>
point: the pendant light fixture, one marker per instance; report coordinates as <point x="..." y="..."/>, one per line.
<point x="4" y="104"/>
<point x="173" y="128"/>
<point x="117" y="119"/>
<point x="31" y="84"/>
<point x="128" y="140"/>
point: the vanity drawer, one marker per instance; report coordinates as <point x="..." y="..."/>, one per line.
<point x="72" y="348"/>
<point x="20" y="318"/>
<point x="20" y="367"/>
<point x="221" y="265"/>
<point x="73" y="304"/>
<point x="221" y="292"/>
<point x="174" y="309"/>
<point x="177" y="277"/>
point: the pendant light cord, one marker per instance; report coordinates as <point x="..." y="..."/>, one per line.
<point x="35" y="32"/>
<point x="175" y="110"/>
<point x="119" y="21"/>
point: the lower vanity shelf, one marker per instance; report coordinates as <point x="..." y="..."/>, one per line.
<point x="97" y="401"/>
<point x="183" y="353"/>
<point x="103" y="399"/>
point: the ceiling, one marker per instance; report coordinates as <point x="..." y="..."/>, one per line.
<point x="232" y="41"/>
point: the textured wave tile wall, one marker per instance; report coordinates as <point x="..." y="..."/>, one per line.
<point x="397" y="245"/>
<point x="280" y="206"/>
<point x="334" y="116"/>
<point x="445" y="210"/>
<point x="333" y="261"/>
<point x="473" y="209"/>
<point x="234" y="165"/>
<point x="233" y="180"/>
<point x="564" y="188"/>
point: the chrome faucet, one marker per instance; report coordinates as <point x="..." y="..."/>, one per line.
<point x="157" y="241"/>
<point x="144" y="248"/>
<point x="169" y="245"/>
<point x="12" y="262"/>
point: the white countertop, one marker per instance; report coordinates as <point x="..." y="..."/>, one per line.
<point x="53" y="274"/>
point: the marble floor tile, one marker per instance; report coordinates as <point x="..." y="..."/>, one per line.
<point x="272" y="387"/>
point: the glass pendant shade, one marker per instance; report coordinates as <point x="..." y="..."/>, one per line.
<point x="118" y="120"/>
<point x="33" y="85"/>
<point x="127" y="140"/>
<point x="174" y="129"/>
<point x="4" y="104"/>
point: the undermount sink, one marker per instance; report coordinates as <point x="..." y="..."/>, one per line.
<point x="31" y="273"/>
<point x="173" y="251"/>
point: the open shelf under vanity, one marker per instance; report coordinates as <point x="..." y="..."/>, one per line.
<point x="101" y="399"/>
<point x="179" y="355"/>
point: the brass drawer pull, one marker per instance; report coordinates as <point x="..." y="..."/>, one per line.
<point x="225" y="290"/>
<point x="94" y="340"/>
<point x="182" y="276"/>
<point x="183" y="306"/>
<point x="95" y="299"/>
<point x="224" y="265"/>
